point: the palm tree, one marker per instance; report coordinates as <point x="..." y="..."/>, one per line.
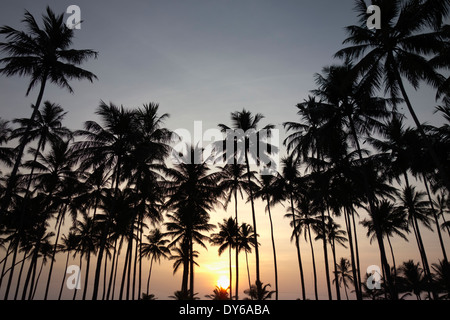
<point x="218" y="294"/>
<point x="226" y="238"/>
<point x="304" y="221"/>
<point x="85" y="231"/>
<point x="234" y="181"/>
<point x="44" y="55"/>
<point x="290" y="176"/>
<point x="155" y="248"/>
<point x="442" y="278"/>
<point x="245" y="242"/>
<point x="192" y="193"/>
<point x="270" y="192"/>
<point x="412" y="278"/>
<point x="399" y="49"/>
<point x="392" y="222"/>
<point x="334" y="235"/>
<point x="6" y="153"/>
<point x="106" y="145"/>
<point x="47" y="126"/>
<point x="248" y="123"/>
<point x="343" y="274"/>
<point x="417" y="209"/>
<point x="259" y="292"/>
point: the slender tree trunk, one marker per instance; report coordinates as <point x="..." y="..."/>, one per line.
<point x="314" y="264"/>
<point x="115" y="269"/>
<point x="352" y="254"/>
<point x="37" y="279"/>
<point x="86" y="277"/>
<point x="185" y="279"/>
<point x="441" y="241"/>
<point x="358" y="265"/>
<point x="64" y="276"/>
<point x="336" y="277"/>
<point x="105" y="273"/>
<point x="393" y="258"/>
<point x="248" y="272"/>
<point x="191" y="248"/>
<point x="149" y="274"/>
<point x="23" y="142"/>
<point x="273" y="248"/>
<point x="30" y="270"/>
<point x="75" y="290"/>
<point x="378" y="231"/>
<point x="237" y="245"/>
<point x="231" y="273"/>
<point x="297" y="244"/>
<point x="20" y="275"/>
<point x="258" y="276"/>
<point x="125" y="269"/>
<point x="325" y="254"/>
<point x="55" y="246"/>
<point x="113" y="260"/>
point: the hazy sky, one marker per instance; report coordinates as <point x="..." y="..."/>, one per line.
<point x="201" y="60"/>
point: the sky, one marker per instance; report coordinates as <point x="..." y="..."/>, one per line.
<point x="201" y="60"/>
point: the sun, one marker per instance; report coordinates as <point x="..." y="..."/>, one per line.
<point x="223" y="282"/>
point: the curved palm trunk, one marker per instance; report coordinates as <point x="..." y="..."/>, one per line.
<point x="111" y="276"/>
<point x="86" y="277"/>
<point x="248" y="272"/>
<point x="297" y="244"/>
<point x="191" y="285"/>
<point x="273" y="248"/>
<point x="358" y="271"/>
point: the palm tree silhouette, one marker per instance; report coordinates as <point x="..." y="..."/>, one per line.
<point x="412" y="278"/>
<point x="248" y="123"/>
<point x="245" y="242"/>
<point x="44" y="55"/>
<point x="218" y="294"/>
<point x="155" y="248"/>
<point x="343" y="274"/>
<point x="234" y="180"/>
<point x="392" y="222"/>
<point x="226" y="238"/>
<point x="399" y="50"/>
<point x="192" y="194"/>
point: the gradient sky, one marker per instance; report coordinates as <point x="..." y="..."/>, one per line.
<point x="201" y="60"/>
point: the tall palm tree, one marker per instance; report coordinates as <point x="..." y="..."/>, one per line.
<point x="248" y="123"/>
<point x="106" y="145"/>
<point x="343" y="274"/>
<point x="192" y="194"/>
<point x="417" y="209"/>
<point x="270" y="192"/>
<point x="334" y="235"/>
<point x="47" y="126"/>
<point x="290" y="174"/>
<point x="245" y="242"/>
<point x="6" y="153"/>
<point x="45" y="55"/>
<point x="305" y="218"/>
<point x="399" y="49"/>
<point x="226" y="238"/>
<point x="392" y="222"/>
<point x="155" y="249"/>
<point x="234" y="181"/>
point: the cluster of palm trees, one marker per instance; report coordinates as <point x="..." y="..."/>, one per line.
<point x="349" y="150"/>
